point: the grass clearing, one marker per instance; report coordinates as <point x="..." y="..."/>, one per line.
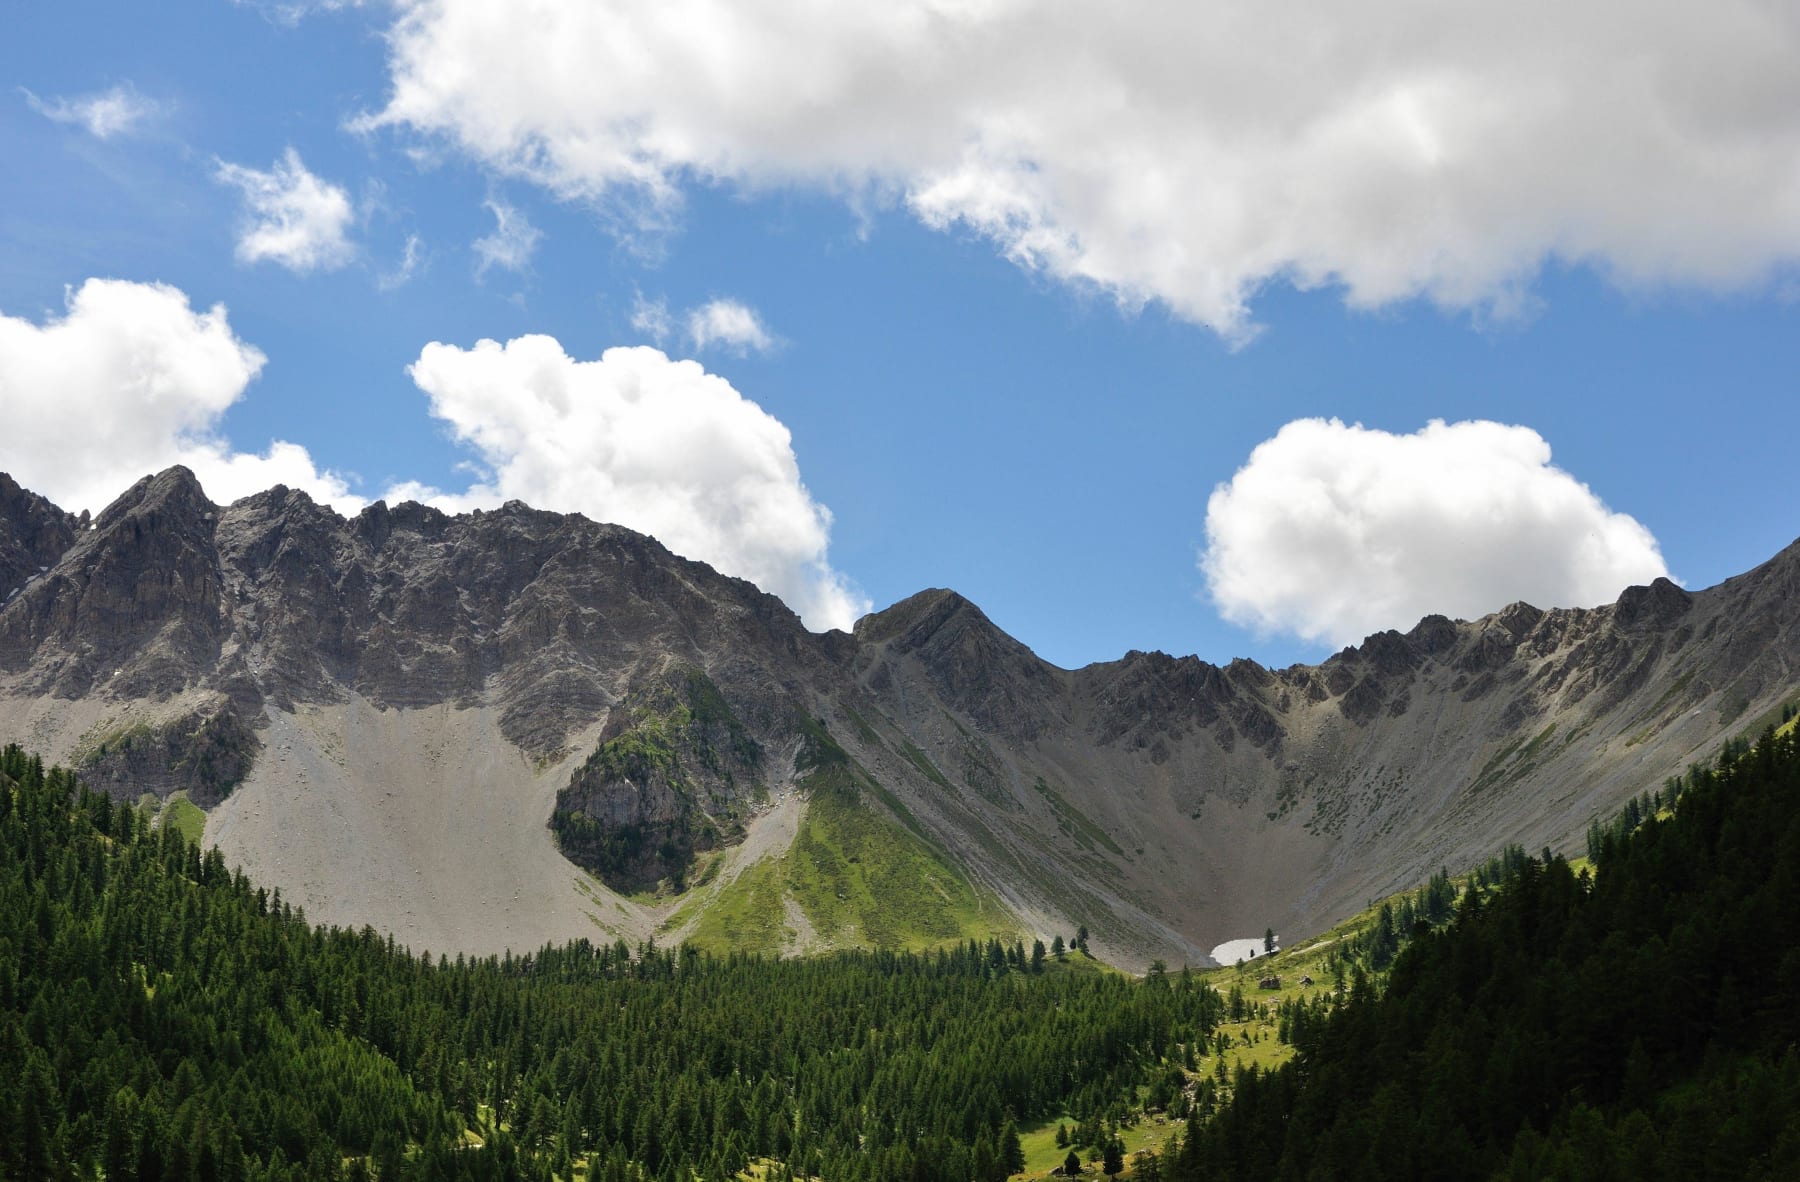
<point x="860" y="870"/>
<point x="1042" y="1154"/>
<point x="188" y="818"/>
<point x="861" y="874"/>
<point x="749" y="915"/>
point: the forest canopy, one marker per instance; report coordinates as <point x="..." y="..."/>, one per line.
<point x="169" y="1019"/>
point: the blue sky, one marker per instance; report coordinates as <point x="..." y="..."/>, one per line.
<point x="1015" y="339"/>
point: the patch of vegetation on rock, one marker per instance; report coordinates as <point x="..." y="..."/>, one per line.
<point x="668" y="781"/>
<point x="205" y="753"/>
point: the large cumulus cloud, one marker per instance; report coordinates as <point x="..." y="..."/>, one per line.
<point x="127" y="381"/>
<point x="659" y="445"/>
<point x="130" y="379"/>
<point x="1331" y="532"/>
<point x="1173" y="151"/>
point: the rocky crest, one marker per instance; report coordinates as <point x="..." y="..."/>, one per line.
<point x="34" y="534"/>
<point x="1163" y="801"/>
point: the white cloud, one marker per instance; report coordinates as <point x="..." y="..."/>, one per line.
<point x="116" y="111"/>
<point x="1332" y="532"/>
<point x="1172" y="151"/>
<point x="289" y="13"/>
<point x="512" y="243"/>
<point x="412" y="258"/>
<point x="651" y="317"/>
<point x="129" y="380"/>
<point x="729" y="323"/>
<point x="291" y="216"/>
<point x="658" y="445"/>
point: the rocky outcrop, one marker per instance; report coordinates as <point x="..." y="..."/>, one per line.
<point x="968" y="663"/>
<point x="675" y="773"/>
<point x="206" y="752"/>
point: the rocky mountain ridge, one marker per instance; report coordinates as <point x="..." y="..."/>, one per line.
<point x="409" y="719"/>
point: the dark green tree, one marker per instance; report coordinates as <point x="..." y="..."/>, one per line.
<point x="1012" y="1153"/>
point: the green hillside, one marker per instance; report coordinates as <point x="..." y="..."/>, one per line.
<point x="861" y="872"/>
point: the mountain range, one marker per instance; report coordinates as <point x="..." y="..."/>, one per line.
<point x="503" y="728"/>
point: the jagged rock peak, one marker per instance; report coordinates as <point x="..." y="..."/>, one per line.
<point x="171" y="496"/>
<point x="1244" y="671"/>
<point x="917" y="618"/>
<point x="1388" y="652"/>
<point x="1659" y="603"/>
<point x="1519" y="618"/>
<point x="1432" y="635"/>
<point x="133" y="604"/>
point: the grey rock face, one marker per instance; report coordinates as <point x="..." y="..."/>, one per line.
<point x="675" y="773"/>
<point x="34" y="534"/>
<point x="133" y="606"/>
<point x="1163" y="801"/>
<point x="205" y="752"/>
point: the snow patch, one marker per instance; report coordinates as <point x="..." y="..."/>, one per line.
<point x="1232" y="951"/>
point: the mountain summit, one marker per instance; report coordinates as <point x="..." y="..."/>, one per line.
<point x="496" y="729"/>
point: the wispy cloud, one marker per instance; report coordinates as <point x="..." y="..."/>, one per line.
<point x="291" y="216"/>
<point x="119" y="110"/>
<point x="728" y="324"/>
<point x="412" y="259"/>
<point x="289" y="13"/>
<point x="512" y="243"/>
<point x="651" y="317"/>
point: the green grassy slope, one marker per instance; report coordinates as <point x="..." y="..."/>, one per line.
<point x="862" y="872"/>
